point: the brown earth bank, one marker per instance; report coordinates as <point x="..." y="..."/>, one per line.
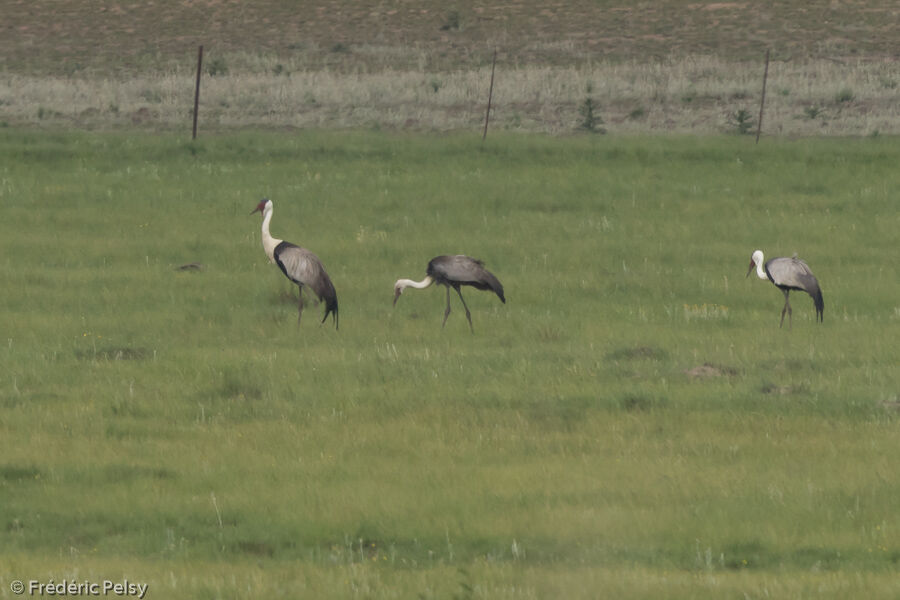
<point x="68" y="36"/>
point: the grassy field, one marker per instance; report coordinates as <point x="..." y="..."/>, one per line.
<point x="631" y="424"/>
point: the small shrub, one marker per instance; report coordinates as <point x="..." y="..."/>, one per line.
<point x="216" y="67"/>
<point x="452" y="23"/>
<point x="844" y="96"/>
<point x="74" y="68"/>
<point x="194" y="148"/>
<point x="742" y="120"/>
<point x="812" y="112"/>
<point x="47" y="113"/>
<point x="436" y="84"/>
<point x="152" y="96"/>
<point x="638" y="113"/>
<point x="590" y="120"/>
<point x="279" y="70"/>
<point x="339" y="48"/>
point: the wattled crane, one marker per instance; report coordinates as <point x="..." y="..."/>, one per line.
<point x="789" y="274"/>
<point x="299" y="265"/>
<point x="453" y="272"/>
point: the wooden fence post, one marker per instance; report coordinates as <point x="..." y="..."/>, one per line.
<point x="487" y="114"/>
<point x="762" y="100"/>
<point x="197" y="90"/>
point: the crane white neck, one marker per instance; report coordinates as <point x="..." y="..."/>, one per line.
<point x="760" y="262"/>
<point x="269" y="243"/>
<point x="419" y="285"/>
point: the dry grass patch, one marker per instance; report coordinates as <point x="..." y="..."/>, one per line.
<point x="688" y="95"/>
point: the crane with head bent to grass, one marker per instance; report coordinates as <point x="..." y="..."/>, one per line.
<point x="299" y="265"/>
<point x="453" y="272"/>
<point x="789" y="274"/>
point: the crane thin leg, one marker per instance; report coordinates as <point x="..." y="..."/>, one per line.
<point x="468" y="314"/>
<point x="299" y="306"/>
<point x="787" y="308"/>
<point x="446" y="312"/>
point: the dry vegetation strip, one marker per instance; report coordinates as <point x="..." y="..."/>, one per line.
<point x="693" y="94"/>
<point x="423" y="65"/>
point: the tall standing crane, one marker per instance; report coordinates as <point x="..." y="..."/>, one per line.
<point x="789" y="274"/>
<point x="299" y="265"/>
<point x="453" y="272"/>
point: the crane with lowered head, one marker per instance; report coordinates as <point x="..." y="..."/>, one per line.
<point x="454" y="272"/>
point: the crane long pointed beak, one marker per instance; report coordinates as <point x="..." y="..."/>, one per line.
<point x="255" y="210"/>
<point x="396" y="296"/>
<point x="750" y="270"/>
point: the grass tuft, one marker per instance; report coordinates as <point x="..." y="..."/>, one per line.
<point x="637" y="353"/>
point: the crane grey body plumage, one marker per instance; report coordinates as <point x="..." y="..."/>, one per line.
<point x="299" y="265"/>
<point x="454" y="272"/>
<point x="789" y="274"/>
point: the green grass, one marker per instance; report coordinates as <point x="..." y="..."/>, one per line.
<point x="176" y="428"/>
